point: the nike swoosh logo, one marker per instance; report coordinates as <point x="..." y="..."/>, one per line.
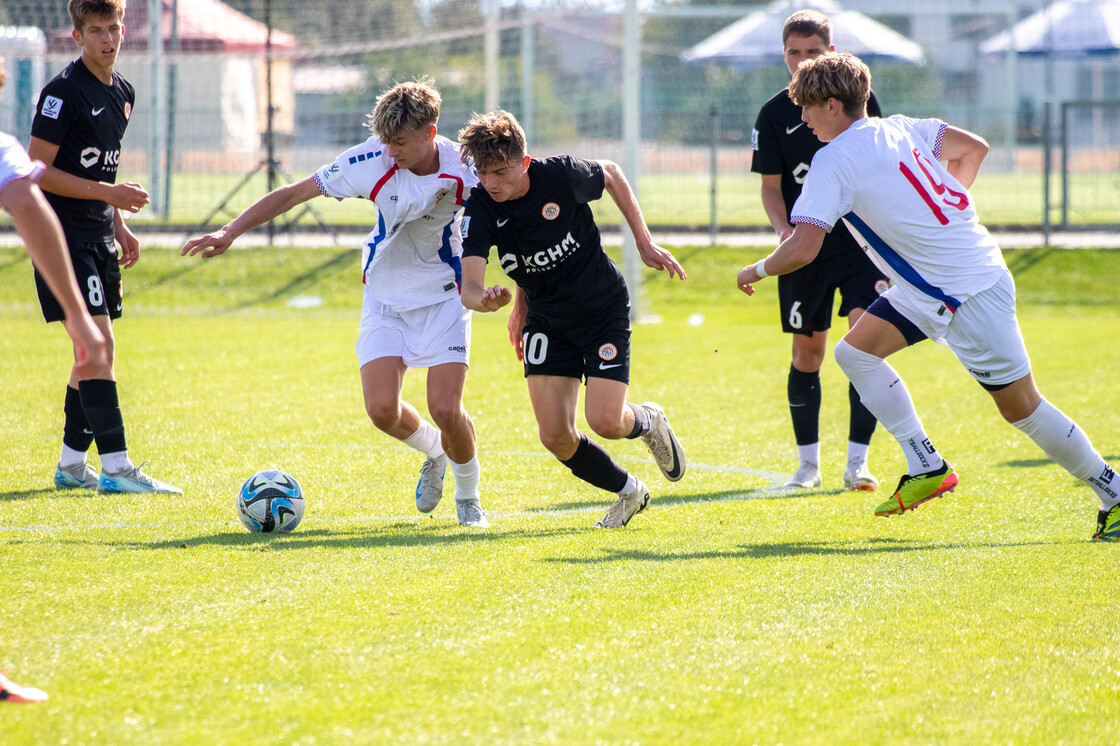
<point x="95" y="112"/>
<point x="791" y="130"/>
<point x="502" y="222"/>
<point x="87" y="431"/>
<point x="604" y="366"/>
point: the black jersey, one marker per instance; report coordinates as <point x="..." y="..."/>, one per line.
<point x="547" y="239"/>
<point x="784" y="145"/>
<point x="86" y="119"/>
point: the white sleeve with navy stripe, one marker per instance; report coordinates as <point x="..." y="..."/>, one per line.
<point x="411" y="258"/>
<point x="917" y="222"/>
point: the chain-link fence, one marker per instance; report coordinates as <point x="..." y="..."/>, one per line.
<point x="231" y="95"/>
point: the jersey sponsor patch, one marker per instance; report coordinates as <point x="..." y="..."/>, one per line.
<point x="465" y="226"/>
<point x="754" y="139"/>
<point x="52" y="107"/>
<point x="90" y="156"/>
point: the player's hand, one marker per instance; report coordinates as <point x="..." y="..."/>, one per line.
<point x="211" y="244"/>
<point x="90" y="351"/>
<point x="660" y="259"/>
<point x="516" y="328"/>
<point x="130" y="246"/>
<point x="128" y="195"/>
<point x="495" y="297"/>
<point x="746" y="276"/>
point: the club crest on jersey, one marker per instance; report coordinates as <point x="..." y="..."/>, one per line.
<point x="127" y="109"/>
<point x="881" y="286"/>
<point x="52" y="107"/>
<point x="551" y="211"/>
<point x="441" y="194"/>
<point x="608" y="352"/>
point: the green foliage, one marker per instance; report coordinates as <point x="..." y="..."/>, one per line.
<point x="729" y="612"/>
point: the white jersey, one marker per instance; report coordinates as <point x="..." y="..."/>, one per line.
<point x="412" y="258"/>
<point x="917" y="222"/>
<point x="15" y="163"/>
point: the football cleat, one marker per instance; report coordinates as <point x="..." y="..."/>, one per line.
<point x="807" y="476"/>
<point x="132" y="479"/>
<point x="429" y="488"/>
<point x="914" y="490"/>
<point x="857" y="477"/>
<point x="1108" y="525"/>
<point x="663" y="444"/>
<point x="470" y="513"/>
<point x="75" y="476"/>
<point x="625" y="507"/>
<point x="12" y="692"/>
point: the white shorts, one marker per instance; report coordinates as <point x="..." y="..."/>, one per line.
<point x="422" y="338"/>
<point x="983" y="334"/>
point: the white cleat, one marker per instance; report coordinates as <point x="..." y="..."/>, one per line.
<point x="857" y="477"/>
<point x="625" y="507"/>
<point x="807" y="476"/>
<point x="470" y="513"/>
<point x="132" y="479"/>
<point x="663" y="444"/>
<point x="76" y="476"/>
<point x="429" y="488"/>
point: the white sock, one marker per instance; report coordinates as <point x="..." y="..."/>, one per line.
<point x="1066" y="444"/>
<point x="631" y="485"/>
<point x="70" y="457"/>
<point x="466" y="479"/>
<point x="857" y="452"/>
<point x="426" y="440"/>
<point x="885" y="395"/>
<point x="810" y="453"/>
<point x="113" y="463"/>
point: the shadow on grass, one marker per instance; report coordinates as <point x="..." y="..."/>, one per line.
<point x="44" y="492"/>
<point x="791" y="549"/>
<point x="1031" y="463"/>
<point x="696" y="498"/>
<point x="400" y="534"/>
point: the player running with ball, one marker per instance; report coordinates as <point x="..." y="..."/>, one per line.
<point x="411" y="314"/>
<point x="571" y="315"/>
<point x="901" y="184"/>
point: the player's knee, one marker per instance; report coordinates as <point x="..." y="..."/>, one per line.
<point x="560" y="443"/>
<point x="384" y="415"/>
<point x="606" y="425"/>
<point x="448" y="415"/>
<point x="853" y="361"/>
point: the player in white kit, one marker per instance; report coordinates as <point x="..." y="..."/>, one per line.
<point x="901" y="185"/>
<point x="411" y="313"/>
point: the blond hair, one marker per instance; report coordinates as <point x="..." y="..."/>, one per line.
<point x="837" y="75"/>
<point x="82" y="11"/>
<point x="406" y="107"/>
<point x="494" y="139"/>
<point x="808" y="23"/>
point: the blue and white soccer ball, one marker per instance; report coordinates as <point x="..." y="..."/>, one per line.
<point x="270" y="501"/>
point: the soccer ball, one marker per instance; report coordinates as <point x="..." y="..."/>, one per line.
<point x="270" y="501"/>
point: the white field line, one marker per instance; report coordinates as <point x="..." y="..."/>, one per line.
<point x="775" y="489"/>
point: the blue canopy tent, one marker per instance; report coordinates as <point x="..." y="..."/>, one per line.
<point x="755" y="40"/>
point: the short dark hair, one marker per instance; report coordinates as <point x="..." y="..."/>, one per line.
<point x="808" y="23"/>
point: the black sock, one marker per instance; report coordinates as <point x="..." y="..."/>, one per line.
<point x="595" y="466"/>
<point x="804" y="391"/>
<point x="103" y="410"/>
<point x="862" y="424"/>
<point x="76" y="432"/>
<point x="642" y="420"/>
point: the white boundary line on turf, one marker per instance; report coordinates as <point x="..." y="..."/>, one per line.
<point x="759" y="493"/>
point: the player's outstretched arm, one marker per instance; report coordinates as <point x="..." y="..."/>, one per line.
<point x="272" y="205"/>
<point x="475" y="295"/>
<point x="793" y="253"/>
<point x="124" y="196"/>
<point x="616" y="185"/>
<point x="37" y="225"/>
<point x="963" y="152"/>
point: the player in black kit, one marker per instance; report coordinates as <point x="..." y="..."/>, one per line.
<point x="783" y="149"/>
<point x="77" y="130"/>
<point x="571" y="315"/>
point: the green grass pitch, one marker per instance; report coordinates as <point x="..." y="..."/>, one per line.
<point x="727" y="613"/>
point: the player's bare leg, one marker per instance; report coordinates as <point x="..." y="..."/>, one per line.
<point x="445" y="405"/>
<point x="610" y="415"/>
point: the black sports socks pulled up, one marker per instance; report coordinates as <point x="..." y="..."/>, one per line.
<point x="804" y="392"/>
<point x="76" y="432"/>
<point x="595" y="466"/>
<point x="103" y="411"/>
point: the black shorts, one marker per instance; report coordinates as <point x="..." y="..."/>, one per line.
<point x="99" y="281"/>
<point x="596" y="349"/>
<point x="805" y="296"/>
